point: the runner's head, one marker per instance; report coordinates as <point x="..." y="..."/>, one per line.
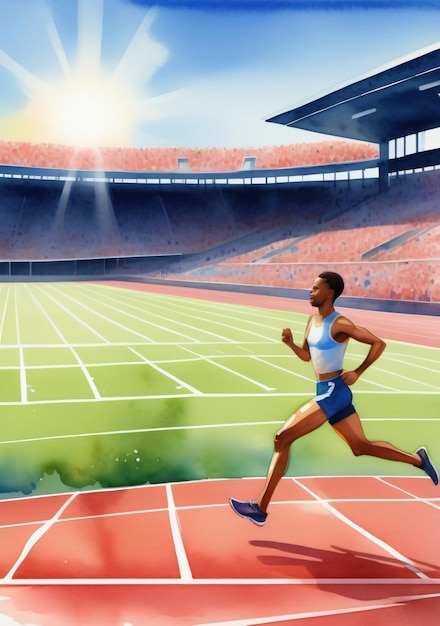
<point x="334" y="281"/>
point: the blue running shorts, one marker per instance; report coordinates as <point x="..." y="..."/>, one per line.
<point x="334" y="398"/>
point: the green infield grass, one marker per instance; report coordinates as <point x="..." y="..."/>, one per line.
<point x="103" y="386"/>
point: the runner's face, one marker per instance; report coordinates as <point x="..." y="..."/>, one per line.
<point x="320" y="292"/>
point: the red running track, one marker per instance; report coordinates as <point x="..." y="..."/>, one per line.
<point x="334" y="552"/>
<point x="334" y="549"/>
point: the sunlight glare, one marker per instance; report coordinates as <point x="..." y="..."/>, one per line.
<point x="92" y="105"/>
<point x="84" y="114"/>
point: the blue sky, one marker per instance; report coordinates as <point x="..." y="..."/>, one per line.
<point x="188" y="73"/>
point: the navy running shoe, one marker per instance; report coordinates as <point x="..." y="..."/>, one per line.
<point x="249" y="510"/>
<point x="427" y="465"/>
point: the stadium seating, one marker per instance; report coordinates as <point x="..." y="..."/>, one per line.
<point x="386" y="245"/>
<point x="168" y="159"/>
<point x="401" y="229"/>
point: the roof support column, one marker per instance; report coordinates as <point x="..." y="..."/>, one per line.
<point x="384" y="162"/>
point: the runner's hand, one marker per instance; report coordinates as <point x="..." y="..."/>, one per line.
<point x="286" y="336"/>
<point x="349" y="378"/>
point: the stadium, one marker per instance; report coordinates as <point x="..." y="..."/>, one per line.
<point x="189" y="218"/>
<point x="143" y="293"/>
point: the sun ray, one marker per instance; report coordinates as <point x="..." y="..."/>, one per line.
<point x="29" y="83"/>
<point x="57" y="45"/>
<point x="142" y="46"/>
<point x="90" y="22"/>
<point x="89" y="105"/>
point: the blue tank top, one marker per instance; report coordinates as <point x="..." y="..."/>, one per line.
<point x="326" y="353"/>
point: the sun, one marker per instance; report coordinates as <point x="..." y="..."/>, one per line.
<point x="90" y="104"/>
<point x="84" y="113"/>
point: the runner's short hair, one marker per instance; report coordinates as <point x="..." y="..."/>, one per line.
<point x="334" y="281"/>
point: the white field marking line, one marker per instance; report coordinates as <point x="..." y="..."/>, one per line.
<point x="404" y="419"/>
<point x="279" y="312"/>
<point x="148" y="322"/>
<point x="81" y="364"/>
<point x="213" y="314"/>
<point x="5" y="307"/>
<point x="245" y="312"/>
<point x="151" y="430"/>
<point x="396" y="356"/>
<point x="36" y="536"/>
<point x="429" y="502"/>
<point x="173" y="322"/>
<point x="171" y="396"/>
<point x="23" y="383"/>
<point x="115" y="363"/>
<point x="416" y="366"/>
<point x="132" y="431"/>
<point x="220" y="354"/>
<point x="259" y="621"/>
<point x="257" y="358"/>
<point x="104" y="317"/>
<point x="167" y="374"/>
<point x="227" y="369"/>
<point x="283" y="317"/>
<point x="284" y="369"/>
<point x="397" y="555"/>
<point x="244" y="318"/>
<point x="116" y="344"/>
<point x="213" y="311"/>
<point x="70" y="314"/>
<point x="410" y="378"/>
<point x="349" y="357"/>
<point x="182" y="559"/>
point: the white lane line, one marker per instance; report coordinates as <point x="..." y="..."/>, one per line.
<point x="153" y="430"/>
<point x="214" y="582"/>
<point x="136" y="430"/>
<point x="206" y="320"/>
<point x="147" y="321"/>
<point x="167" y="374"/>
<point x="171" y="396"/>
<point x="277" y="619"/>
<point x="410" y="378"/>
<point x="173" y="322"/>
<point x="227" y="369"/>
<point x="81" y="364"/>
<point x="431" y="366"/>
<point x="429" y="502"/>
<point x="5" y="308"/>
<point x="182" y="559"/>
<point x="104" y="317"/>
<point x="70" y="314"/>
<point x="385" y="546"/>
<point x="36" y="536"/>
<point x="23" y="382"/>
<point x="284" y="369"/>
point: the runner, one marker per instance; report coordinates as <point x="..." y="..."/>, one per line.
<point x="325" y="341"/>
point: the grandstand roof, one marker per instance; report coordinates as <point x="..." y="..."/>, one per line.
<point x="392" y="101"/>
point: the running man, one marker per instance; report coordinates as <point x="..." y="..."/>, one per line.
<point x="325" y="341"/>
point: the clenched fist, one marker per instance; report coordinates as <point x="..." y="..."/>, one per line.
<point x="286" y="335"/>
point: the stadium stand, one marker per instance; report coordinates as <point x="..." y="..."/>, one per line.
<point x="385" y="244"/>
<point x="387" y="247"/>
<point x="169" y="159"/>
